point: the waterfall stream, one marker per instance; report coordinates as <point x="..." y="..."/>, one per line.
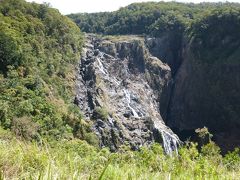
<point x="128" y="98"/>
<point x="101" y="67"/>
<point x="126" y="92"/>
<point x="170" y="141"/>
<point x="104" y="71"/>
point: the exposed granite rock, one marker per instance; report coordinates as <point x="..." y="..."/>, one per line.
<point x="125" y="80"/>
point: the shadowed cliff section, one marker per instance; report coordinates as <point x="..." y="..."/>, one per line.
<point x="207" y="83"/>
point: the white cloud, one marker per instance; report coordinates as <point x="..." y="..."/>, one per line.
<point x="74" y="6"/>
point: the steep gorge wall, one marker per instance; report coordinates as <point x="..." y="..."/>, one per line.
<point x="205" y="86"/>
<point x="206" y="93"/>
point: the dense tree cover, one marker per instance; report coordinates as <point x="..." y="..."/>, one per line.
<point x="224" y="42"/>
<point x="39" y="49"/>
<point x="152" y="18"/>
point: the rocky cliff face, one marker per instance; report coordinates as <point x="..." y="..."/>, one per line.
<point x="119" y="88"/>
<point x="205" y="88"/>
<point x="206" y="93"/>
<point x="129" y="87"/>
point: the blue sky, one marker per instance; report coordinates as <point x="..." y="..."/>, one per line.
<point x="74" y="6"/>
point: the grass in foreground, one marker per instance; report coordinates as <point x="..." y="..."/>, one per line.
<point x="78" y="160"/>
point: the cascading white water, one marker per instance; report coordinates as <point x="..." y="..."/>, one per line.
<point x="116" y="81"/>
<point x="111" y="121"/>
<point x="128" y="98"/>
<point x="170" y="141"/>
<point x="104" y="70"/>
<point x="101" y="67"/>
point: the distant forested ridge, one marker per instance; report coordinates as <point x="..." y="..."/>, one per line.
<point x="152" y="18"/>
<point x="39" y="49"/>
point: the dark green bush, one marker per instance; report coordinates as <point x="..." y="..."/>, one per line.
<point x="100" y="113"/>
<point x="10" y="52"/>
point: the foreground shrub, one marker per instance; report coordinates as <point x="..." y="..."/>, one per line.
<point x="25" y="128"/>
<point x="76" y="159"/>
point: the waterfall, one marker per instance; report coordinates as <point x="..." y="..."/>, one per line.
<point x="101" y="67"/>
<point x="170" y="141"/>
<point x="128" y="98"/>
<point x="106" y="80"/>
<point x="105" y="71"/>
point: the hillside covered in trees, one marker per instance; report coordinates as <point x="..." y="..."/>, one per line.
<point x="39" y="49"/>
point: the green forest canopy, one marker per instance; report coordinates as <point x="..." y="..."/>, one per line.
<point x="150" y="18"/>
<point x="39" y="49"/>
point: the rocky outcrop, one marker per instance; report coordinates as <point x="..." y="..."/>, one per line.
<point x="168" y="48"/>
<point x="119" y="88"/>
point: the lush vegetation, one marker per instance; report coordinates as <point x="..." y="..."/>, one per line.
<point x="154" y="18"/>
<point x="205" y="26"/>
<point x="41" y="128"/>
<point x="76" y="159"/>
<point x="223" y="43"/>
<point x="39" y="50"/>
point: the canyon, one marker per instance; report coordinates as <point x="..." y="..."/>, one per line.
<point x="138" y="90"/>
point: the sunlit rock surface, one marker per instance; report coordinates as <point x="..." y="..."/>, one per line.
<point x="119" y="88"/>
